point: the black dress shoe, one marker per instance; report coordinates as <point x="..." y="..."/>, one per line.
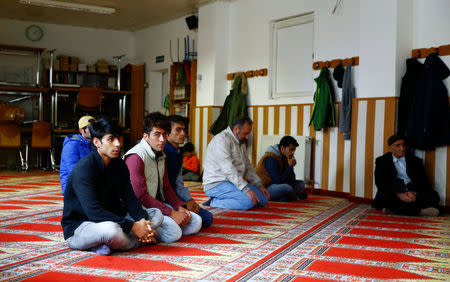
<point x="302" y="196"/>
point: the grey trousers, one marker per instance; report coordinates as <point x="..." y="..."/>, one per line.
<point x="90" y="234"/>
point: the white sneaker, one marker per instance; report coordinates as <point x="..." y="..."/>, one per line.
<point x="429" y="212"/>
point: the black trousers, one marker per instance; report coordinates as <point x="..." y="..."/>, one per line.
<point x="424" y="199"/>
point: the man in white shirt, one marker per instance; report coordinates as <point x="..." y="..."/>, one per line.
<point x="228" y="176"/>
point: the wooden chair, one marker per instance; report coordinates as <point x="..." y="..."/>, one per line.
<point x="11" y="113"/>
<point x="10" y="139"/>
<point x="89" y="99"/>
<point x="41" y="138"/>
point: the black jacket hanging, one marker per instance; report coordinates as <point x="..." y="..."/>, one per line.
<point x="408" y="88"/>
<point x="429" y="119"/>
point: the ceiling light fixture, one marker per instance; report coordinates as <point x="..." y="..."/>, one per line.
<point x="70" y="6"/>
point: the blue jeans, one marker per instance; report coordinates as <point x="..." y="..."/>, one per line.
<point x="90" y="234"/>
<point x="169" y="231"/>
<point x="286" y="192"/>
<point x="226" y="195"/>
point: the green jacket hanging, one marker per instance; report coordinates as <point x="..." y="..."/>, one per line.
<point x="324" y="102"/>
<point x="235" y="105"/>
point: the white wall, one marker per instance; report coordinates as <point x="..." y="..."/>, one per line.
<point x="335" y="36"/>
<point x="405" y="38"/>
<point x="89" y="44"/>
<point x="155" y="41"/>
<point x="432" y="26"/>
<point x="214" y="53"/>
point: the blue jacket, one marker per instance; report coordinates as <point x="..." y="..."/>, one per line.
<point x="75" y="147"/>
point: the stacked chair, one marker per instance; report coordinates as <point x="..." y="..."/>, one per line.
<point x="41" y="139"/>
<point x="11" y="118"/>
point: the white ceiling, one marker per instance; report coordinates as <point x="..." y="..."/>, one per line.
<point x="130" y="15"/>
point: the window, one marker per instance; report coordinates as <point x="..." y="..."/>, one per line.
<point x="292" y="57"/>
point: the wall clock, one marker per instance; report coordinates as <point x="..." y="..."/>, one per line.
<point x="34" y="33"/>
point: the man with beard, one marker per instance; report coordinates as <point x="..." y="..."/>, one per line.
<point x="229" y="177"/>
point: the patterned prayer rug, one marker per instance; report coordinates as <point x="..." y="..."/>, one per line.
<point x="321" y="238"/>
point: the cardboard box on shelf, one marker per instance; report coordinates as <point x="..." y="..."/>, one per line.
<point x="112" y="83"/>
<point x="74" y="60"/>
<point x="91" y="68"/>
<point x="56" y="65"/>
<point x="73" y="67"/>
<point x="82" y="67"/>
<point x="64" y="66"/>
<point x="63" y="59"/>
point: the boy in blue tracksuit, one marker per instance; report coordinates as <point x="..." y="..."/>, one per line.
<point x="75" y="147"/>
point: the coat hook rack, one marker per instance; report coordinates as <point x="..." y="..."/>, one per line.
<point x="443" y="50"/>
<point x="249" y="74"/>
<point x="336" y="62"/>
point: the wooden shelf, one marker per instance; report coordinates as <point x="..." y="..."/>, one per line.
<point x="77" y="89"/>
<point x="21" y="48"/>
<point x="67" y="89"/>
<point x="73" y="130"/>
<point x="181" y="100"/>
<point x="22" y="88"/>
<point x="108" y="91"/>
<point x="180" y="85"/>
<point x="190" y="91"/>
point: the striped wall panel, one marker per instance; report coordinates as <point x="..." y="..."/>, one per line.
<point x="338" y="164"/>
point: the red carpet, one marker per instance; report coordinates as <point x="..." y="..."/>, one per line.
<point x="128" y="264"/>
<point x="373" y="272"/>
<point x="37" y="227"/>
<point x="69" y="277"/>
<point x="372" y="255"/>
<point x="387" y="233"/>
<point x="322" y="238"/>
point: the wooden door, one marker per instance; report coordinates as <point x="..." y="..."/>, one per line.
<point x="137" y="102"/>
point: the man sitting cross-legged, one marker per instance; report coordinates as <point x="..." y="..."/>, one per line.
<point x="276" y="170"/>
<point x="147" y="164"/>
<point x="402" y="185"/>
<point x="175" y="166"/>
<point x="228" y="177"/>
<point x="101" y="211"/>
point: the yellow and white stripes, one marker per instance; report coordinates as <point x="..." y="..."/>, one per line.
<point x="337" y="164"/>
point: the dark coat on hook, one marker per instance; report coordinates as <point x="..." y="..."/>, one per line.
<point x="235" y="105"/>
<point x="407" y="91"/>
<point x="429" y="117"/>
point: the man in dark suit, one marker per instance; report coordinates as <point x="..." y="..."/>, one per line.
<point x="402" y="185"/>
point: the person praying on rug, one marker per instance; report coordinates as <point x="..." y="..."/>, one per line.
<point x="228" y="175"/>
<point x="276" y="170"/>
<point x="149" y="176"/>
<point x="100" y="210"/>
<point x="75" y="147"/>
<point x="402" y="185"/>
<point x="191" y="164"/>
<point x="174" y="164"/>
